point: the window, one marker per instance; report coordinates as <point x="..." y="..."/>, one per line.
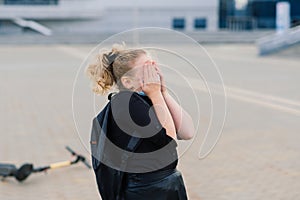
<point x="178" y="23"/>
<point x="200" y="23"/>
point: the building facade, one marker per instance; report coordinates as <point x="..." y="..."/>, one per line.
<point x="111" y="16"/>
<point x="62" y="16"/>
<point x="254" y="14"/>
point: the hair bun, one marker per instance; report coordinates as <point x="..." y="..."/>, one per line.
<point x="106" y="71"/>
<point x="117" y="48"/>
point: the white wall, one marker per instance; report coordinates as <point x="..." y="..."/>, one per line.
<point x="159" y="3"/>
<point x="137" y="13"/>
<point x="116" y="15"/>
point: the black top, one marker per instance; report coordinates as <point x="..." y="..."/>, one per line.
<point x="131" y="115"/>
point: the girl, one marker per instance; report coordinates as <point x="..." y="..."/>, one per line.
<point x="143" y="109"/>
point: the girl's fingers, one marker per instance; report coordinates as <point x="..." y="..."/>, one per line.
<point x="148" y="73"/>
<point x="145" y="74"/>
<point x="158" y="71"/>
<point x="151" y="73"/>
<point x="151" y="70"/>
<point x="154" y="74"/>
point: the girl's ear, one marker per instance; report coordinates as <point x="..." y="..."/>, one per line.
<point x="126" y="82"/>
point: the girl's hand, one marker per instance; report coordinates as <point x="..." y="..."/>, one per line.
<point x="162" y="80"/>
<point x="151" y="80"/>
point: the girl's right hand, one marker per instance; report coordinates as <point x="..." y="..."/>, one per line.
<point x="151" y="80"/>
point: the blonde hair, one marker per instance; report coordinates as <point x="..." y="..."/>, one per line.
<point x="110" y="66"/>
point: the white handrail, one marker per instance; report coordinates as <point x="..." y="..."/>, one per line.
<point x="33" y="25"/>
<point x="276" y="41"/>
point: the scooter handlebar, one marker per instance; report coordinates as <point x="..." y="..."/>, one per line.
<point x="86" y="164"/>
<point x="71" y="151"/>
<point x="80" y="157"/>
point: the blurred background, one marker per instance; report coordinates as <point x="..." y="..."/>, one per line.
<point x="68" y="20"/>
<point x="254" y="43"/>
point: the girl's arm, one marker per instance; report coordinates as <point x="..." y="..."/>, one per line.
<point x="152" y="88"/>
<point x="163" y="114"/>
<point x="182" y="120"/>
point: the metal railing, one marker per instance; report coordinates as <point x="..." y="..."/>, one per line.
<point x="240" y="23"/>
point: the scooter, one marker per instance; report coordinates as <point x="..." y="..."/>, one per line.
<point x="10" y="170"/>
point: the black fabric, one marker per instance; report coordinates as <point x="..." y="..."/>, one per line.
<point x="108" y="179"/>
<point x="169" y="187"/>
<point x="111" y="180"/>
<point x="145" y="178"/>
<point x="139" y="106"/>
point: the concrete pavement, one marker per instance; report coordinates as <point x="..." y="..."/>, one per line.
<point x="257" y="156"/>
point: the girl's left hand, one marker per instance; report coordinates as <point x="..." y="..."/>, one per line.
<point x="162" y="80"/>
